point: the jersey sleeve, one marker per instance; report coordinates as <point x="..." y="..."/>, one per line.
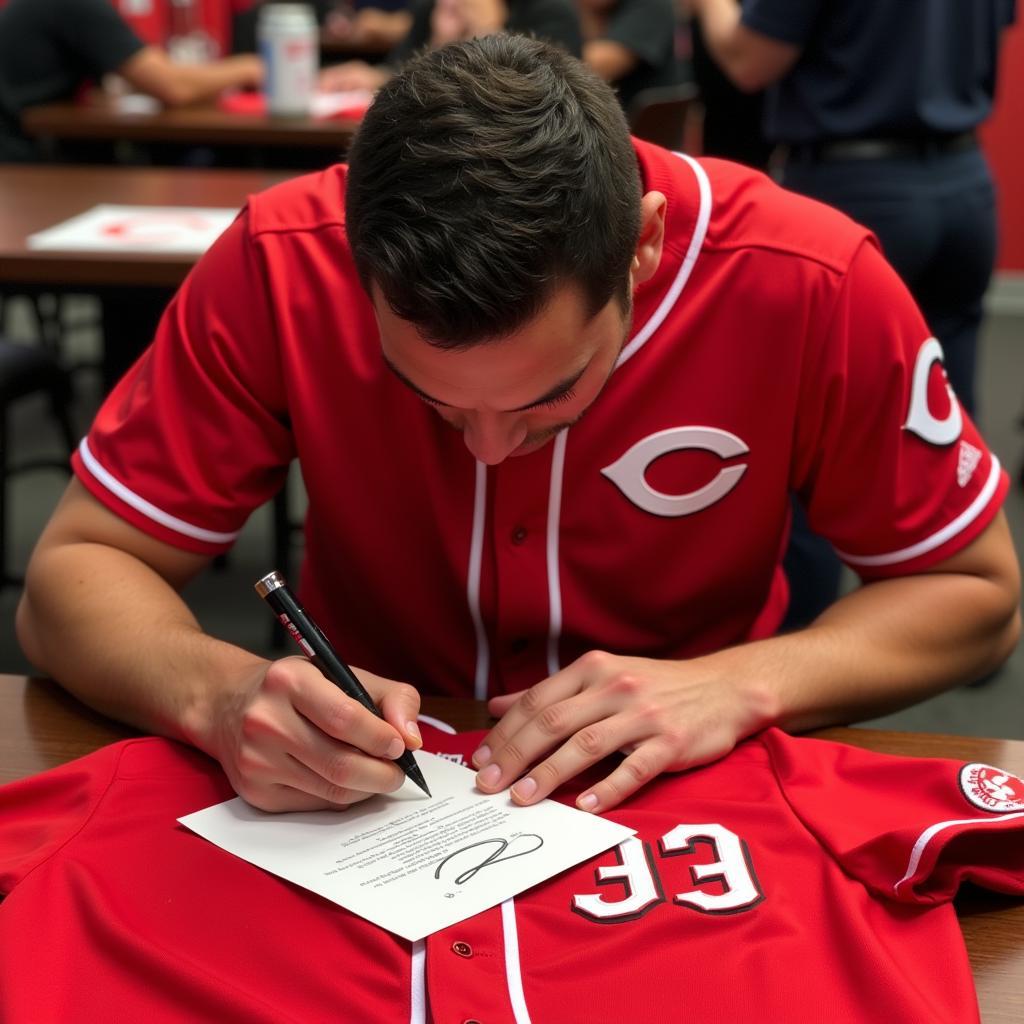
<point x="38" y="815"/>
<point x="196" y="435"/>
<point x="887" y="463"/>
<point x="910" y="829"/>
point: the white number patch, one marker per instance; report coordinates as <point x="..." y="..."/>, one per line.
<point x="638" y="875"/>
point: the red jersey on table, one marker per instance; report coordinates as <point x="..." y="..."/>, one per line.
<point x="794" y="881"/>
<point x="773" y="351"/>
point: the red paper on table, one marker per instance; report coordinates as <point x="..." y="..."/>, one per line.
<point x="349" y="106"/>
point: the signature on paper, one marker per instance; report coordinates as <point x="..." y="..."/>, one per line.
<point x="501" y="850"/>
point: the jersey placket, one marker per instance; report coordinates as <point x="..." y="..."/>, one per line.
<point x="467" y="980"/>
<point x="521" y="614"/>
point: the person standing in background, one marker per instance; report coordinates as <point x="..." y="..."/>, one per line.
<point x="876" y="105"/>
<point x="732" y="124"/>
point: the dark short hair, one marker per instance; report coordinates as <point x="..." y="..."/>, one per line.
<point x="486" y="174"/>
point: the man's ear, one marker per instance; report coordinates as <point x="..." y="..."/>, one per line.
<point x="652" y="236"/>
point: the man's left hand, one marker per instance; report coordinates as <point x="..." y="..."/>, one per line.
<point x="663" y="715"/>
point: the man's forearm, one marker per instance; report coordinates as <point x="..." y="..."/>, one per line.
<point x="883" y="647"/>
<point x="112" y="631"/>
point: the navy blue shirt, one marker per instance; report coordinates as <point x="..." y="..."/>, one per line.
<point x="879" y="68"/>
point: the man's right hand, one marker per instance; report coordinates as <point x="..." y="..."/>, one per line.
<point x="288" y="738"/>
<point x="292" y="741"/>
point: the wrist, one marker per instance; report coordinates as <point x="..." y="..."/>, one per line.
<point x="217" y="696"/>
<point x="753" y="686"/>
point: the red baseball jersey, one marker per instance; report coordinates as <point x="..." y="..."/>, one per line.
<point x="794" y="881"/>
<point x="773" y="351"/>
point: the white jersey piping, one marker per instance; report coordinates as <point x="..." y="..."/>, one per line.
<point x="418" y="983"/>
<point x="513" y="970"/>
<point x="147" y="508"/>
<point x="938" y="538"/>
<point x="554" y="574"/>
<point x="933" y="830"/>
<point x="476" y="548"/>
<point x="689" y="260"/>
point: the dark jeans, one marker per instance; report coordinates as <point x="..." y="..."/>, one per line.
<point x="935" y="217"/>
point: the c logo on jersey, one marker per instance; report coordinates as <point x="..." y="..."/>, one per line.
<point x="629" y="471"/>
<point x="920" y="420"/>
<point x="992" y="789"/>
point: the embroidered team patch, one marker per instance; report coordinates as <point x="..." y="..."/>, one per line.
<point x="992" y="789"/>
<point x="968" y="458"/>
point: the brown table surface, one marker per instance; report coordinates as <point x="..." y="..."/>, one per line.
<point x="35" y="197"/>
<point x="41" y="726"/>
<point x="194" y="126"/>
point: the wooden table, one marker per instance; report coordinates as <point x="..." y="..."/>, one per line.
<point x="37" y="197"/>
<point x="104" y="120"/>
<point x="41" y="726"/>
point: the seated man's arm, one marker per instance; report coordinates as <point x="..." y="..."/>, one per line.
<point x="152" y="71"/>
<point x="609" y="59"/>
<point x="101" y="614"/>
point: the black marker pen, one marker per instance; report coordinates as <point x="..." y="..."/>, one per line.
<point x="305" y="632"/>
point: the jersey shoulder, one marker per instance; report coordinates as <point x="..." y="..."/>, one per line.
<point x="745" y="210"/>
<point x="310" y="202"/>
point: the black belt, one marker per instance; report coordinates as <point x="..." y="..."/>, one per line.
<point x="881" y="148"/>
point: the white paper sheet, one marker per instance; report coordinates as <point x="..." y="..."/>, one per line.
<point x="153" y="229"/>
<point x="409" y="863"/>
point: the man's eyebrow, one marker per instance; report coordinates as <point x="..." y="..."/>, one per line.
<point x="560" y="389"/>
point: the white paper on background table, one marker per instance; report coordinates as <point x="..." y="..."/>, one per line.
<point x="410" y="863"/>
<point x="137" y="229"/>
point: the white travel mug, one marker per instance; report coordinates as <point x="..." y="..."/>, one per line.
<point x="290" y="46"/>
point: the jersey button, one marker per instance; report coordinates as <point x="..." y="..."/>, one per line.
<point x="519" y="645"/>
<point x="519" y="534"/>
<point x="472" y="1020"/>
<point x="463" y="949"/>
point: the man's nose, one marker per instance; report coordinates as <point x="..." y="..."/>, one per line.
<point x="493" y="438"/>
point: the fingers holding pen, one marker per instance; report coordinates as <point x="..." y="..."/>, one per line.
<point x="300" y="740"/>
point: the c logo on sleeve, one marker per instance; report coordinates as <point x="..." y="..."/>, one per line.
<point x="628" y="472"/>
<point x="920" y="419"/>
<point x="992" y="789"/>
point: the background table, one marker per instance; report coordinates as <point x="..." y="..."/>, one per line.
<point x="41" y="726"/>
<point x="192" y="126"/>
<point x="40" y="196"/>
<point x="37" y="197"/>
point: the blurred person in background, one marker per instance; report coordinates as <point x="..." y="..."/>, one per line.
<point x="732" y="123"/>
<point x="630" y="44"/>
<point x="50" y="49"/>
<point x="368" y="28"/>
<point x="437" y="22"/>
<point x="876" y="105"/>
